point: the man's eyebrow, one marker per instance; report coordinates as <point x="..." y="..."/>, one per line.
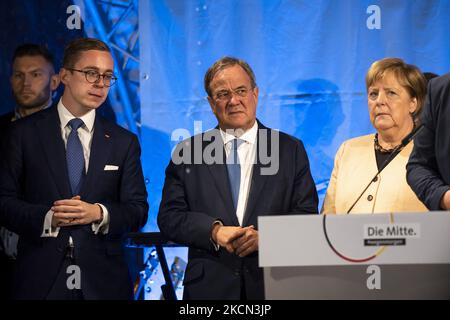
<point x="97" y="69"/>
<point x="29" y="71"/>
<point x="91" y="67"/>
<point x="37" y="70"/>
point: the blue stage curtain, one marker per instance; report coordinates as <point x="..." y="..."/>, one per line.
<point x="309" y="57"/>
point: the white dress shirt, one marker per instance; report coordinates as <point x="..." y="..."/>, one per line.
<point x="85" y="133"/>
<point x="247" y="157"/>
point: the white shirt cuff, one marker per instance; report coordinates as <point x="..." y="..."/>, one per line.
<point x="48" y="231"/>
<point x="103" y="226"/>
<point x="216" y="246"/>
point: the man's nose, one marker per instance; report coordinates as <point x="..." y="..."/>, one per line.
<point x="235" y="99"/>
<point x="99" y="83"/>
<point x="27" y="80"/>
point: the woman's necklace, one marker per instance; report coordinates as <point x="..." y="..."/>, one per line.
<point x="380" y="148"/>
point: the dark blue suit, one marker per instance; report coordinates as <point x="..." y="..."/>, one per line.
<point x="428" y="169"/>
<point x="34" y="175"/>
<point x="195" y="195"/>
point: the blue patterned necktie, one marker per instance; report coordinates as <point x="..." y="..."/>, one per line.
<point x="75" y="157"/>
<point x="234" y="170"/>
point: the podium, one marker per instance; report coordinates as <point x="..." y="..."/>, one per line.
<point x="365" y="256"/>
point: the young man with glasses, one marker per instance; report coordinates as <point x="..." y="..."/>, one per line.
<point x="72" y="186"/>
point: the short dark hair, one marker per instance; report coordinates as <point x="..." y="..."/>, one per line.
<point x="224" y="63"/>
<point x="32" y="49"/>
<point x="76" y="47"/>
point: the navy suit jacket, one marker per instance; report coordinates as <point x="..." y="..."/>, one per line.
<point x="34" y="175"/>
<point x="196" y="195"/>
<point x="5" y="124"/>
<point x="428" y="169"/>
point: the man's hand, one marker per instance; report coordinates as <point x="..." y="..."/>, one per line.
<point x="246" y="243"/>
<point x="224" y="236"/>
<point x="70" y="212"/>
<point x="445" y="201"/>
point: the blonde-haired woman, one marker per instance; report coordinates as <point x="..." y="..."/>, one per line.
<point x="395" y="94"/>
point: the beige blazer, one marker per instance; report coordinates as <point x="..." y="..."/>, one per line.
<point x="354" y="165"/>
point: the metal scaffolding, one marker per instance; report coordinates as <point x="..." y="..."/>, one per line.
<point x="116" y="23"/>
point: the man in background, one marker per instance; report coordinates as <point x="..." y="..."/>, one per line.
<point x="33" y="81"/>
<point x="428" y="169"/>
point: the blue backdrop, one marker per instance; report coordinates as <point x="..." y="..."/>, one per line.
<point x="309" y="57"/>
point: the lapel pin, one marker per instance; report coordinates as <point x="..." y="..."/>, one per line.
<point x="106" y="135"/>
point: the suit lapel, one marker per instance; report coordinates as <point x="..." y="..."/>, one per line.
<point x="258" y="180"/>
<point x="49" y="132"/>
<point x="222" y="182"/>
<point x="100" y="149"/>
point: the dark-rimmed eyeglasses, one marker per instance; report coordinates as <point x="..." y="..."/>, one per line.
<point x="93" y="76"/>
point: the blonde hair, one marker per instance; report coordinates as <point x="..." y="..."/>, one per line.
<point x="408" y="75"/>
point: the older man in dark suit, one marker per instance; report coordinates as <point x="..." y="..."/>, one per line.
<point x="71" y="186"/>
<point x="219" y="182"/>
<point x="428" y="169"/>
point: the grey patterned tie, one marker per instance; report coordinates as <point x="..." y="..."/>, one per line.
<point x="234" y="170"/>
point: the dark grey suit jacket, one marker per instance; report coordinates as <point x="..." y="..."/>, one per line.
<point x="195" y="195"/>
<point x="428" y="169"/>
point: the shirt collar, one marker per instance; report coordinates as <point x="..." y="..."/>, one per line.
<point x="17" y="115"/>
<point x="65" y="116"/>
<point x="249" y="136"/>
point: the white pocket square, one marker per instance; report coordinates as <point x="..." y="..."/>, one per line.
<point x="111" y="168"/>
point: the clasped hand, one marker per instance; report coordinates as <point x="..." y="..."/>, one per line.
<point x="238" y="240"/>
<point x="74" y="211"/>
